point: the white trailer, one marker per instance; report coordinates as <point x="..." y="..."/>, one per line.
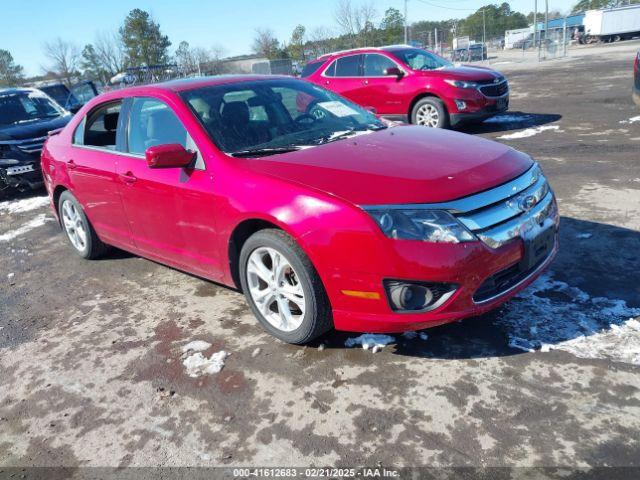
<point x="612" y="24"/>
<point x="512" y="36"/>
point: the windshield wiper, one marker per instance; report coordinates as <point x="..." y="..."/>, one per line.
<point x="339" y="135"/>
<point x="259" y="152"/>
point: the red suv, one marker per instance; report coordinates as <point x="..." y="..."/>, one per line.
<point x="410" y="84"/>
<point x="323" y="221"/>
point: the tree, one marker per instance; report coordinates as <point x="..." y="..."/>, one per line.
<point x="111" y="52"/>
<point x="64" y="58"/>
<point x="355" y="22"/>
<point x="296" y="44"/>
<point x="497" y="19"/>
<point x="184" y="57"/>
<point x="266" y="44"/>
<point x="392" y="26"/>
<point x="11" y="74"/>
<point x="320" y="41"/>
<point x="583" y="5"/>
<point x="92" y="66"/>
<point x="144" y="43"/>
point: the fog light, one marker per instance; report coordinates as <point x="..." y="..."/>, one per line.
<point x="417" y="296"/>
<point x="461" y="104"/>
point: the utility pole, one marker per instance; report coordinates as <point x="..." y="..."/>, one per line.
<point x="484" y="30"/>
<point x="546" y="24"/>
<point x="406" y="23"/>
<point x="535" y="27"/>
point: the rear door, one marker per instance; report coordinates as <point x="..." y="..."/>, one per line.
<point x="344" y="76"/>
<point x="91" y="164"/>
<point x="171" y="211"/>
<point x="385" y="93"/>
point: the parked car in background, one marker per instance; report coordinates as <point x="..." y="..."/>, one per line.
<point x="477" y="52"/>
<point x="636" y="79"/>
<point x="413" y="85"/>
<point x="323" y="216"/>
<point x="71" y="99"/>
<point x="26" y="117"/>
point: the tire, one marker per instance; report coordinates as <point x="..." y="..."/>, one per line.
<point x="78" y="229"/>
<point x="420" y="114"/>
<point x="304" y="323"/>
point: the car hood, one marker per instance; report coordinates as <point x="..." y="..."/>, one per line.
<point x="408" y="164"/>
<point x="35" y="129"/>
<point x="464" y="72"/>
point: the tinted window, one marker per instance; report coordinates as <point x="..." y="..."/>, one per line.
<point x="310" y="68"/>
<point x="375" y="65"/>
<point x="101" y="126"/>
<point x="151" y="123"/>
<point x="27" y="106"/>
<point x="331" y="71"/>
<point x="348" y="66"/>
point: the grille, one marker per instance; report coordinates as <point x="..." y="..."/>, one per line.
<point x="495" y="90"/>
<point x="32" y="145"/>
<point x="500" y="282"/>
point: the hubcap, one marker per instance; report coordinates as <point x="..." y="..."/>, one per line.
<point x="428" y="116"/>
<point x="74" y="226"/>
<point x="275" y="288"/>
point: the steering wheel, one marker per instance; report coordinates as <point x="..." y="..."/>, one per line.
<point x="305" y="118"/>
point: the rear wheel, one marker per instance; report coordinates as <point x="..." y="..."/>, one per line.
<point x="430" y="112"/>
<point x="78" y="229"/>
<point x="283" y="288"/>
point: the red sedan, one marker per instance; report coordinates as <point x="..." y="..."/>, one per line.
<point x="320" y="214"/>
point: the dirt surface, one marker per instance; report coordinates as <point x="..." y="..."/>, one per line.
<point x="91" y="369"/>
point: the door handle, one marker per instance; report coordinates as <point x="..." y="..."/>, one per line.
<point x="128" y="178"/>
<point x="366" y="82"/>
<point x="327" y="82"/>
<point x="71" y="164"/>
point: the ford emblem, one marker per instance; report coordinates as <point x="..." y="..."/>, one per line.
<point x="527" y="203"/>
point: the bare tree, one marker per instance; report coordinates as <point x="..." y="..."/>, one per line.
<point x="320" y="41"/>
<point x="110" y="51"/>
<point x="64" y="58"/>
<point x="265" y="43"/>
<point x="355" y="21"/>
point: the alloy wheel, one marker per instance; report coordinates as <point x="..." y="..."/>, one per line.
<point x="428" y="116"/>
<point x="275" y="288"/>
<point x="74" y="226"/>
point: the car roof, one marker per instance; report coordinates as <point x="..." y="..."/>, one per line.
<point x="184" y="84"/>
<point x="6" y="91"/>
<point x="386" y="48"/>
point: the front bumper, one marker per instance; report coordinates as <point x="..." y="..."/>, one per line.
<point x="516" y="243"/>
<point x="23" y="176"/>
<point x="490" y="108"/>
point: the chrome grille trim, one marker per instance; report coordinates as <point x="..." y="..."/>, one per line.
<point x="27" y="145"/>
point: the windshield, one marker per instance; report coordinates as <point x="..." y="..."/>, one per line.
<point x="24" y="107"/>
<point x="418" y="59"/>
<point x="61" y="94"/>
<point x="275" y="116"/>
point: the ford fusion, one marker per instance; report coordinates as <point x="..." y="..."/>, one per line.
<point x="320" y="214"/>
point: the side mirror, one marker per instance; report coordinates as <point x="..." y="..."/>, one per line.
<point x="172" y="155"/>
<point x="394" y="71"/>
<point x="371" y="110"/>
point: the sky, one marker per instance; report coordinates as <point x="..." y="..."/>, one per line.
<point x="27" y="24"/>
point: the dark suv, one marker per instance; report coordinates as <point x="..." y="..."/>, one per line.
<point x="26" y="117"/>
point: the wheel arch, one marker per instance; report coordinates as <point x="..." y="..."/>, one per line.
<point x="57" y="192"/>
<point x="419" y="97"/>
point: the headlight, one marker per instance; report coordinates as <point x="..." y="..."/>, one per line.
<point x="461" y="83"/>
<point x="420" y="224"/>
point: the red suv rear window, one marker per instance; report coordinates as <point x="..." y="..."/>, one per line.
<point x="310" y="68"/>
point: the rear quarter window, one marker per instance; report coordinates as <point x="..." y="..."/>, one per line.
<point x="311" y="68"/>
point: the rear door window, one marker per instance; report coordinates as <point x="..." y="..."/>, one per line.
<point x="310" y="68"/>
<point x="349" y="66"/>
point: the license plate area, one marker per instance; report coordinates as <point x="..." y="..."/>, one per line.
<point x="502" y="103"/>
<point x="19" y="170"/>
<point x="537" y="247"/>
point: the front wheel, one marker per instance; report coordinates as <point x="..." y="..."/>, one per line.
<point x="283" y="288"/>
<point x="430" y="112"/>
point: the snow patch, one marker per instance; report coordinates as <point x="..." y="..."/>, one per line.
<point x="631" y="120"/>
<point x="370" y="340"/>
<point x="529" y="132"/>
<point x="508" y="118"/>
<point x="198" y="365"/>
<point x="24" y="205"/>
<point x="36" y="222"/>
<point x="584" y="236"/>
<point x="553" y="315"/>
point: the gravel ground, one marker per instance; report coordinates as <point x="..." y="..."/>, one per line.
<point x="91" y="353"/>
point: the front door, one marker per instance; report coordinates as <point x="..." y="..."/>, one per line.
<point x="344" y="76"/>
<point x="170" y="211"/>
